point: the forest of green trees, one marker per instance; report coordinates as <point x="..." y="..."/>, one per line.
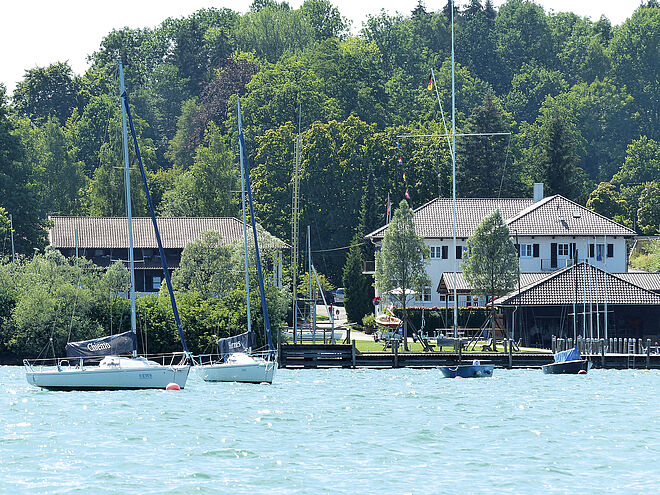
<point x="581" y="99"/>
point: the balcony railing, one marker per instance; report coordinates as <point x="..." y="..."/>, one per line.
<point x="556" y="264"/>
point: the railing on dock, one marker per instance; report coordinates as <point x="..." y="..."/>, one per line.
<point x="620" y="353"/>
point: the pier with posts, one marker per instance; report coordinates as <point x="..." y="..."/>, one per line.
<point x="610" y="354"/>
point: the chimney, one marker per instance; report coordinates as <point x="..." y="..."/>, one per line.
<point x="538" y="191"/>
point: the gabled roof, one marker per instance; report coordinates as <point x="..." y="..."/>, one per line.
<point x="647" y="280"/>
<point x="580" y="284"/>
<point x="557" y="215"/>
<point x="112" y="232"/>
<point x="434" y="219"/>
<point x="553" y="216"/>
<point x="446" y="284"/>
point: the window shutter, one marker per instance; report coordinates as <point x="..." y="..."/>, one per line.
<point x="536" y="250"/>
<point x="591" y="250"/>
<point x="459" y="252"/>
<point x="445" y="252"/>
<point x="610" y="250"/>
<point x="518" y="250"/>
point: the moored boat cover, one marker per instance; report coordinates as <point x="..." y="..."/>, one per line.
<point x="122" y="343"/>
<point x="243" y="342"/>
<point x="569" y="355"/>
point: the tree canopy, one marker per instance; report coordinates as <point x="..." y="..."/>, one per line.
<point x="576" y="94"/>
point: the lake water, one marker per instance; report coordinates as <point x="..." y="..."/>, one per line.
<point x="402" y="431"/>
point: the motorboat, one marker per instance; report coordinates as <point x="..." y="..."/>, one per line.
<point x="568" y="362"/>
<point x="474" y="370"/>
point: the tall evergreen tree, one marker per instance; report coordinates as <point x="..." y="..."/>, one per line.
<point x="357" y="300"/>
<point x="481" y="168"/>
<point x="554" y="146"/>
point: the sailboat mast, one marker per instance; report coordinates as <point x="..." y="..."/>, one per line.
<point x="127" y="181"/>
<point x="294" y="228"/>
<point x="245" y="242"/>
<point x="453" y="171"/>
<point x="262" y="288"/>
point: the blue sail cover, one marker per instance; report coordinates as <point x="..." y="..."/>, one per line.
<point x="243" y="342"/>
<point x="569" y="355"/>
<point x="112" y="345"/>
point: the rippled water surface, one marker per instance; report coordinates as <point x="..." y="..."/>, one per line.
<point x="399" y="431"/>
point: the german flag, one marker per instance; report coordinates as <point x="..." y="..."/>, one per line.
<point x="430" y="85"/>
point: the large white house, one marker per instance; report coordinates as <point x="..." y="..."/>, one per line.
<point x="550" y="233"/>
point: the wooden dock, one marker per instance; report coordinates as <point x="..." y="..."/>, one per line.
<point x="310" y="356"/>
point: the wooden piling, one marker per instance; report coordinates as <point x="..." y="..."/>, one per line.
<point x="510" y="353"/>
<point x="279" y="346"/>
<point x="353" y="354"/>
<point x="602" y="353"/>
<point x="395" y="350"/>
<point x="648" y="352"/>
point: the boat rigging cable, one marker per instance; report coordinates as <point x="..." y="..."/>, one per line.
<point x="156" y="231"/>
<point x="262" y="289"/>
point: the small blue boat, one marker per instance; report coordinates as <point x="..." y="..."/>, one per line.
<point x="474" y="370"/>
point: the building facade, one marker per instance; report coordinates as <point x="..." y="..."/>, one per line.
<point x="550" y="234"/>
<point x="104" y="240"/>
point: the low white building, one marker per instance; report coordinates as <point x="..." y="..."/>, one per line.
<point x="550" y="234"/>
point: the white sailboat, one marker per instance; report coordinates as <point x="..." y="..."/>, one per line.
<point x="100" y="364"/>
<point x="236" y="361"/>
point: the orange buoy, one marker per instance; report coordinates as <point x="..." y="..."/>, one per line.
<point x="172" y="386"/>
<point x="582" y="372"/>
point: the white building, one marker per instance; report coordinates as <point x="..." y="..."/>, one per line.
<point x="549" y="233"/>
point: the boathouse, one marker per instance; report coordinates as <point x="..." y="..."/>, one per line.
<point x="584" y="300"/>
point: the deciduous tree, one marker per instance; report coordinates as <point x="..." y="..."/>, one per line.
<point x="492" y="264"/>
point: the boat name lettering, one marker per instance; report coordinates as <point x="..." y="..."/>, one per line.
<point x="234" y="345"/>
<point x="144" y="375"/>
<point x="101" y="346"/>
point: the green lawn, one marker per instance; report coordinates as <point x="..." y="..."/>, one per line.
<point x="371" y="346"/>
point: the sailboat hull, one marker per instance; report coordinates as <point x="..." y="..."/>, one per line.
<point x="258" y="371"/>
<point x="95" y="378"/>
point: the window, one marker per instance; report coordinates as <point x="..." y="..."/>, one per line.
<point x="563" y="250"/>
<point x="156" y="283"/>
<point x="435" y="251"/>
<point x="426" y="294"/>
<point x="528" y="250"/>
<point x="597" y="251"/>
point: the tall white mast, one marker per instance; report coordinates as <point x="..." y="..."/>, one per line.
<point x="127" y="180"/>
<point x="247" y="274"/>
<point x="453" y="170"/>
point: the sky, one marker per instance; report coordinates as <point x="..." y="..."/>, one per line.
<point x="37" y="33"/>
